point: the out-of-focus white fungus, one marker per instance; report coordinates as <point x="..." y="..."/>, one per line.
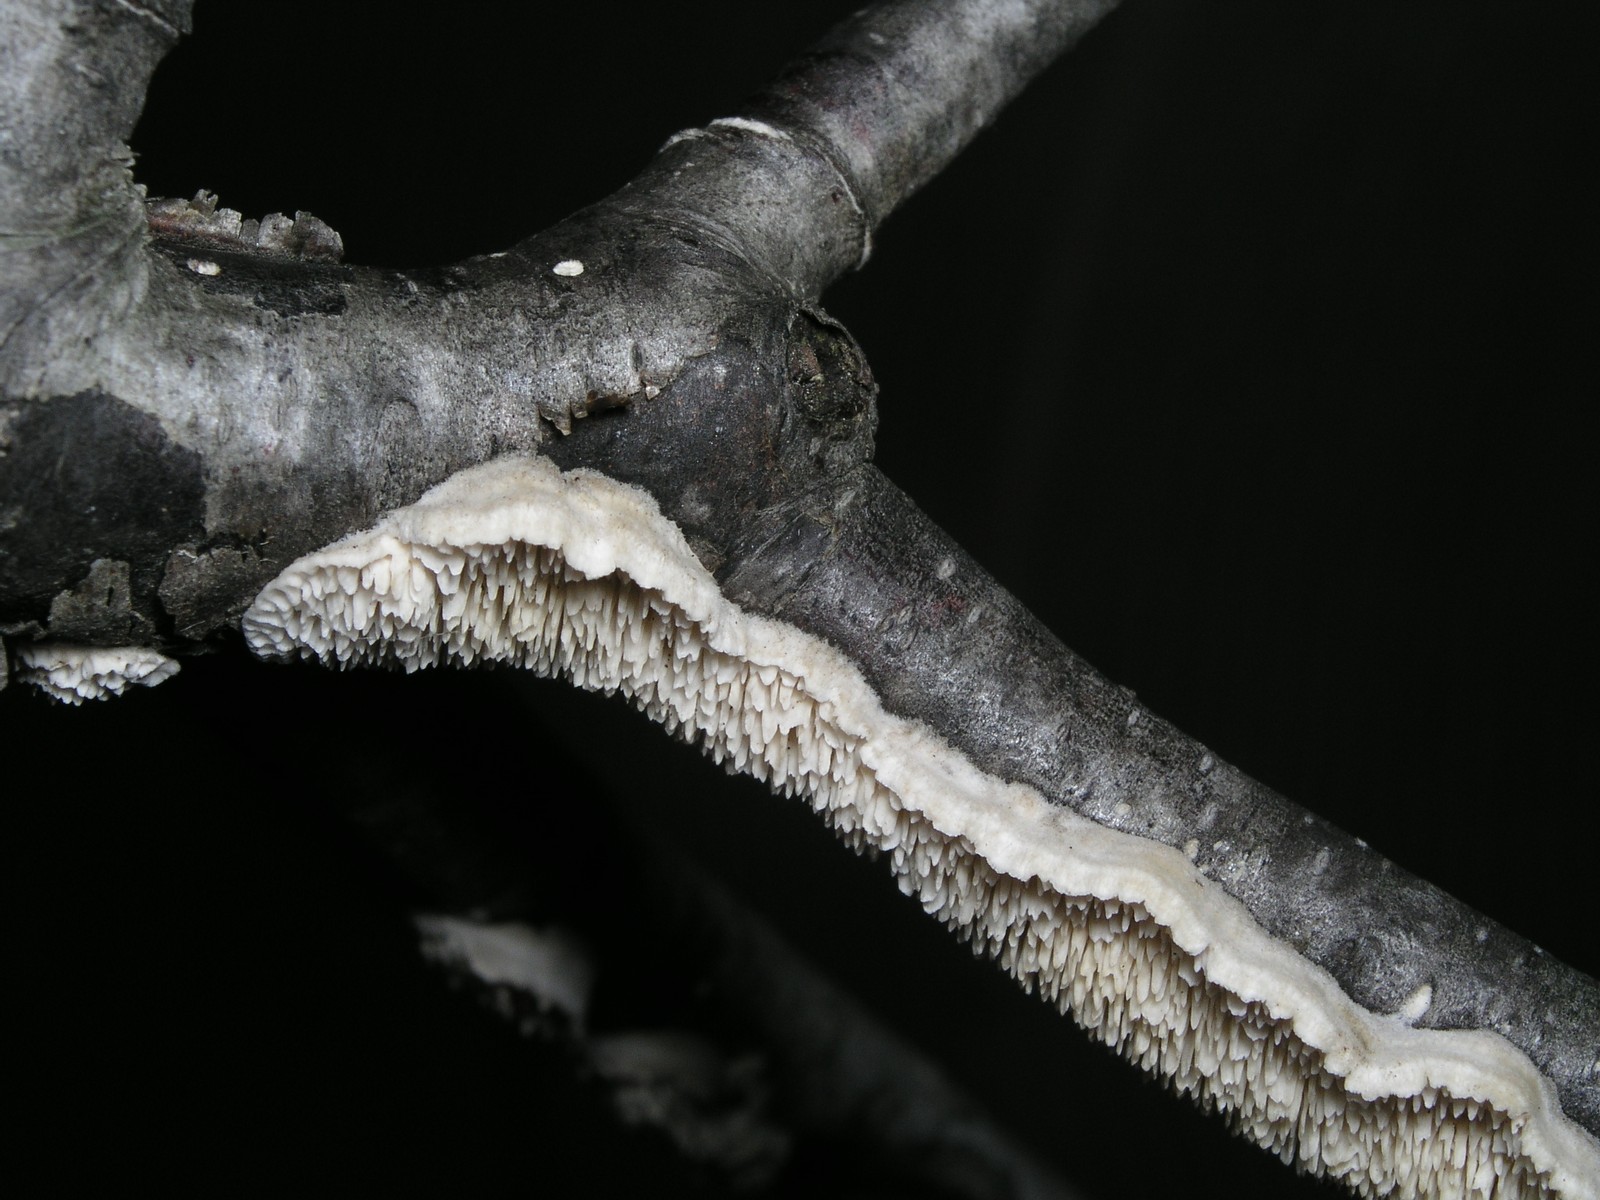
<point x="579" y="576"/>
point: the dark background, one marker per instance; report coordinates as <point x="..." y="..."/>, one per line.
<point x="1254" y="347"/>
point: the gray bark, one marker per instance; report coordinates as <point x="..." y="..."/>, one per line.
<point x="349" y="390"/>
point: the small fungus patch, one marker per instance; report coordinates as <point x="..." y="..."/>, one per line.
<point x="73" y="674"/>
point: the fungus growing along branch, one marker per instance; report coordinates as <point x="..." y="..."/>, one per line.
<point x="1147" y="945"/>
<point x="721" y="551"/>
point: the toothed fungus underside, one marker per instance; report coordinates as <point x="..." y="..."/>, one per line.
<point x="579" y="576"/>
<point x="73" y="674"/>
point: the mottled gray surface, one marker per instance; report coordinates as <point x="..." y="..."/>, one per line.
<point x="269" y="406"/>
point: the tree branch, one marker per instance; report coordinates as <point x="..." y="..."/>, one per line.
<point x="897" y="91"/>
<point x="348" y="391"/>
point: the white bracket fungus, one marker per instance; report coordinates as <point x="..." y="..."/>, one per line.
<point x="579" y="576"/>
<point x="73" y="674"/>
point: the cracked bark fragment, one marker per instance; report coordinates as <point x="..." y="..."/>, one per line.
<point x="200" y="221"/>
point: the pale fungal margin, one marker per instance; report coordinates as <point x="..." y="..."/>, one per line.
<point x="579" y="576"/>
<point x="1416" y="1005"/>
<point x="73" y="674"/>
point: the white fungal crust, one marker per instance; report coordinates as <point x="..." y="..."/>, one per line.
<point x="579" y="576"/>
<point x="201" y="220"/>
<point x="73" y="674"/>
